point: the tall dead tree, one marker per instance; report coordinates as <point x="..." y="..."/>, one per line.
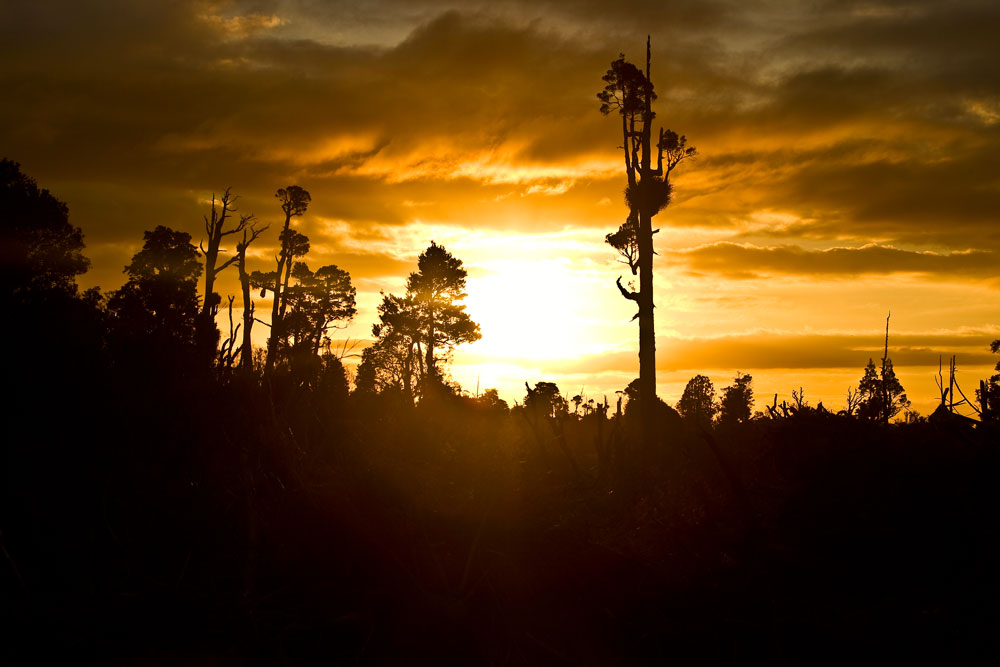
<point x="629" y="91"/>
<point x="214" y="230"/>
<point x="294" y="201"/>
<point x="215" y="222"/>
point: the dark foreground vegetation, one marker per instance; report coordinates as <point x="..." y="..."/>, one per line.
<point x="164" y="505"/>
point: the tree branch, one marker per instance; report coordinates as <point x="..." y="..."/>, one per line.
<point x="631" y="296"/>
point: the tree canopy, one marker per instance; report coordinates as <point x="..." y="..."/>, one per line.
<point x="39" y="249"/>
<point x="161" y="294"/>
<point x="697" y="404"/>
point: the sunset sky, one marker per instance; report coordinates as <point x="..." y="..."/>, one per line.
<point x="848" y="166"/>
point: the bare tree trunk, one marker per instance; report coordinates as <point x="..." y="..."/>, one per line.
<point x="407" y="377"/>
<point x="213" y="229"/>
<point x="431" y="370"/>
<point x="246" y="349"/>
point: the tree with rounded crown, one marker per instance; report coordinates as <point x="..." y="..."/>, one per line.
<point x="545" y="400"/>
<point x="629" y="91"/>
<point x="160" y="298"/>
<point x="318" y="300"/>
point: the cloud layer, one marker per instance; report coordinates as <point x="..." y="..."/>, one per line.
<point x="838" y="141"/>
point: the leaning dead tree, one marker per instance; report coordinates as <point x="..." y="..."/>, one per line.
<point x="629" y="91"/>
<point x="948" y="402"/>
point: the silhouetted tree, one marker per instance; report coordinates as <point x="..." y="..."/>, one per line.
<point x="294" y="202"/>
<point x="392" y="360"/>
<point x="214" y="231"/>
<point x="630" y="92"/>
<point x="880" y="394"/>
<point x="697" y="404"/>
<point x="490" y="400"/>
<point x="988" y="393"/>
<point x="737" y="400"/>
<point x="318" y="301"/>
<point x="435" y="290"/>
<point x="160" y="298"/>
<point x="39" y="249"/>
<point x="545" y="400"/>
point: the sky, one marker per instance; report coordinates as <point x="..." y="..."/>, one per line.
<point x="847" y="167"/>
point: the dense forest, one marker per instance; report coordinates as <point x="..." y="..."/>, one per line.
<point x="173" y="494"/>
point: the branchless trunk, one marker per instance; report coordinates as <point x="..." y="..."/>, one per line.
<point x="431" y="370"/>
<point x="282" y="259"/>
<point x="647" y="332"/>
<point x="246" y="349"/>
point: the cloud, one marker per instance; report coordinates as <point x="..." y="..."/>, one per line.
<point x="783" y="350"/>
<point x="749" y="261"/>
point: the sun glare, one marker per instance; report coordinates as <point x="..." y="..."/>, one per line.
<point x="522" y="307"/>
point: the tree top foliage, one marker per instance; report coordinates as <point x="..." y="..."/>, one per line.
<point x="440" y="276"/>
<point x="166" y="254"/>
<point x="625" y="89"/>
<point x="294" y="200"/>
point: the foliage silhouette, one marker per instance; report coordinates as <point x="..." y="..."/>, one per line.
<point x="545" y="400"/>
<point x="882" y="397"/>
<point x="318" y="301"/>
<point x="393" y="360"/>
<point x="159" y="302"/>
<point x="988" y="393"/>
<point x="736" y="404"/>
<point x="697" y="404"/>
<point x="39" y="249"/>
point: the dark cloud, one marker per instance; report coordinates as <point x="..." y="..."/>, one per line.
<point x="796" y="351"/>
<point x="747" y="261"/>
